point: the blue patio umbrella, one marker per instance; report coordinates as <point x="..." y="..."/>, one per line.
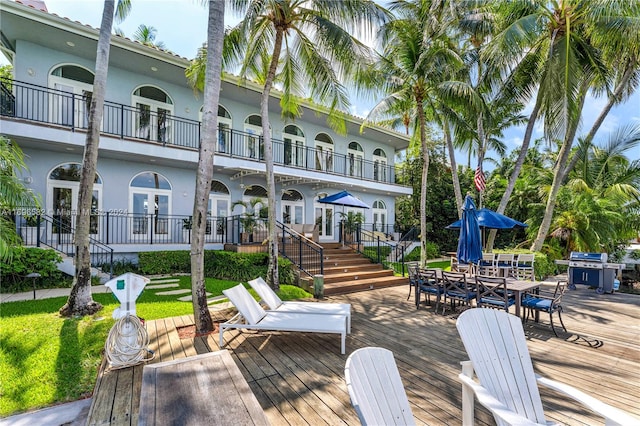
<point x="470" y="243"/>
<point x="343" y="198"/>
<point x="492" y="220"/>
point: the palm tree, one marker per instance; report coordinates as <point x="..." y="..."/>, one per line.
<point x="552" y="48"/>
<point x="147" y="36"/>
<point x="80" y="301"/>
<point x="204" y="174"/>
<point x="597" y="208"/>
<point x="300" y="45"/>
<point x="414" y="69"/>
<point x="13" y="195"/>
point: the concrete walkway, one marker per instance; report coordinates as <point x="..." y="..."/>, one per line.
<point x="46" y="293"/>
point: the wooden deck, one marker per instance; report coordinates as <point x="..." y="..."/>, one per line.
<point x="299" y="378"/>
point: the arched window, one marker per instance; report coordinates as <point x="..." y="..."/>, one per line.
<point x="150" y="204"/>
<point x="153" y="110"/>
<point x="69" y="105"/>
<point x="292" y="207"/>
<point x="294" y="144"/>
<point x="324" y="152"/>
<point x="63" y="184"/>
<point x="253" y="144"/>
<point x="356" y="159"/>
<point x="379" y="165"/>
<point x="379" y="210"/>
<point x="225" y="124"/>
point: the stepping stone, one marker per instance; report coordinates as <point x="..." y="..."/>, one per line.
<point x="169" y="280"/>
<point x="189" y="298"/>
<point x="174" y="292"/>
<point x="154" y="286"/>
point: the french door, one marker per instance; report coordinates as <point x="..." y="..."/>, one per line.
<point x="62" y="202"/>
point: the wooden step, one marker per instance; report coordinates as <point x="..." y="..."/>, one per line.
<point x="358" y="267"/>
<point x="364" y="285"/>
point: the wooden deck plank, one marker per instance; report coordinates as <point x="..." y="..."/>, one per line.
<point x="299" y="378"/>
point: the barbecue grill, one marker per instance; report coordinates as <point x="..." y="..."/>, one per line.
<point x="591" y="269"/>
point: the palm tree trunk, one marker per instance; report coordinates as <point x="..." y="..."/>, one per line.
<point x="454" y="169"/>
<point x="272" y="243"/>
<point x="559" y="174"/>
<point x="615" y="97"/>
<point x="516" y="169"/>
<point x="204" y="174"/>
<point x="80" y="300"/>
<point x="423" y="188"/>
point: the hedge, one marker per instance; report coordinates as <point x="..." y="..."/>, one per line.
<point x="217" y="264"/>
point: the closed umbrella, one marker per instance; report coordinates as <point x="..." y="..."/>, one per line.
<point x="470" y="243"/>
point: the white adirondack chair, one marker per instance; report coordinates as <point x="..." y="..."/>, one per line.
<point x="375" y="388"/>
<point x="508" y="386"/>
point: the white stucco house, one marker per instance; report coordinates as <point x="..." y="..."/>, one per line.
<point x="148" y="154"/>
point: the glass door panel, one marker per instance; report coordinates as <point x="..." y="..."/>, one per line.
<point x="140" y="225"/>
<point x="62" y="210"/>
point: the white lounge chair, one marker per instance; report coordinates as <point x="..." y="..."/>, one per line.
<point x="251" y="316"/>
<point x="508" y="386"/>
<point x="375" y="388"/>
<point x="274" y="303"/>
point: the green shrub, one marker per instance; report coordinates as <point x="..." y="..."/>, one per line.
<point x="217" y="264"/>
<point x="372" y="252"/>
<point x="31" y="259"/>
<point x="433" y="251"/>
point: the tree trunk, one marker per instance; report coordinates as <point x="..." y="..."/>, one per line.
<point x="559" y="173"/>
<point x="454" y="169"/>
<point x="204" y="174"/>
<point x="272" y="270"/>
<point x="80" y="301"/>
<point x="423" y="188"/>
<point x="516" y="170"/>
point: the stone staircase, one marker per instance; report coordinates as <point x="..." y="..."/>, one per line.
<point x="346" y="271"/>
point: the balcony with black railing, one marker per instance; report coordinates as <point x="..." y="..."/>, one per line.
<point x="69" y="110"/>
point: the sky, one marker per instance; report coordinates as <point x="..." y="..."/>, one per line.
<point x="182" y="25"/>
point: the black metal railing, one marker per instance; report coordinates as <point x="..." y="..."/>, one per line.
<point x="305" y="254"/>
<point x="57" y="233"/>
<point x="45" y="105"/>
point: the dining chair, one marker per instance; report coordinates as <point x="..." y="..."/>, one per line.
<point x="492" y="293"/>
<point x="523" y="267"/>
<point x="549" y="303"/>
<point x="486" y="265"/>
<point x="504" y="264"/>
<point x="457" y="288"/>
<point x="414" y="277"/>
<point x="457" y="266"/>
<point x="430" y="284"/>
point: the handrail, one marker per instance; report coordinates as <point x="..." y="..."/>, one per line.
<point x="307" y="255"/>
<point x="45" y="105"/>
<point x="62" y="238"/>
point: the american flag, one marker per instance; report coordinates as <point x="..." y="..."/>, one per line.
<point x="479" y="180"/>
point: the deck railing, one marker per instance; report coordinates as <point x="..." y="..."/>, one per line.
<point x="45" y="105"/>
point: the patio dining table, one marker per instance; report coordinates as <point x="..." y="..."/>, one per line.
<point x="519" y="287"/>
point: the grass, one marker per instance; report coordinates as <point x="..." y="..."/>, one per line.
<point x="46" y="359"/>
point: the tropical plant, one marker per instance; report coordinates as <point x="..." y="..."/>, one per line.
<point x="13" y="195"/>
<point x="80" y="301"/>
<point x="147" y="35"/>
<point x="597" y="208"/>
<point x="351" y="221"/>
<point x="415" y="67"/>
<point x="253" y="214"/>
<point x="308" y="49"/>
<point x="553" y="53"/>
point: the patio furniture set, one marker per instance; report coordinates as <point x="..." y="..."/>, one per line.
<point x="460" y="290"/>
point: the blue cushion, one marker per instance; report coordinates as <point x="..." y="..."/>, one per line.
<point x="496" y="302"/>
<point x="534" y="302"/>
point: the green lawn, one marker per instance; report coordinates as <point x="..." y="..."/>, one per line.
<point x="46" y="359"/>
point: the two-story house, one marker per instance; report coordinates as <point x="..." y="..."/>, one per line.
<point x="144" y="188"/>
